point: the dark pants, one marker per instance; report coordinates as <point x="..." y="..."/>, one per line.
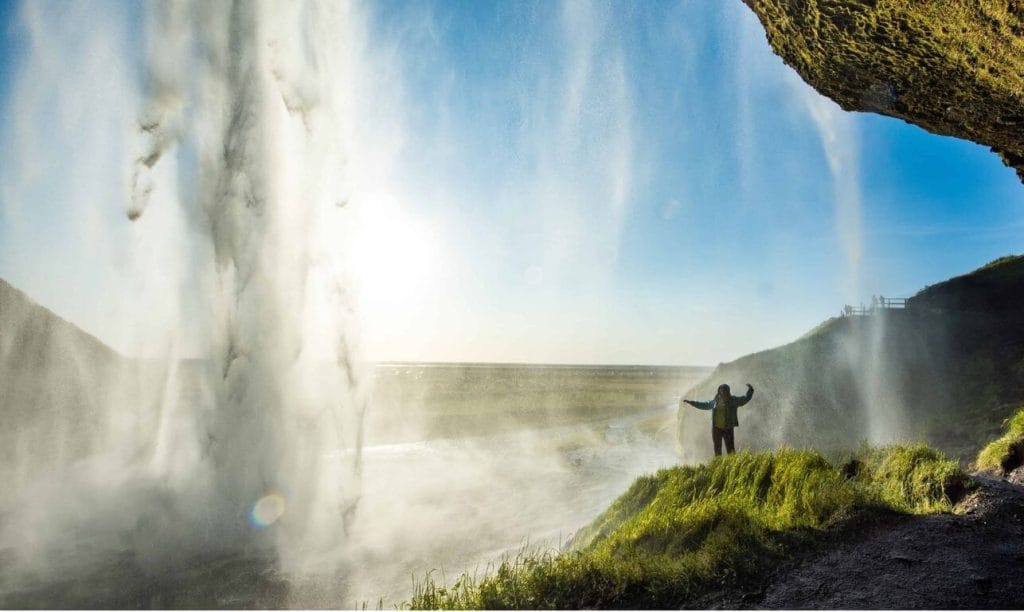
<point x="717" y="435"/>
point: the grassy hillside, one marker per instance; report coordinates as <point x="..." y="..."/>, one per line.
<point x="947" y="370"/>
<point x="685" y="531"/>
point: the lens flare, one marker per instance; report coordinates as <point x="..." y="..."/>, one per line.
<point x="267" y="510"/>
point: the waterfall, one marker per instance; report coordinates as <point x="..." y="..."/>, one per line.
<point x="254" y="98"/>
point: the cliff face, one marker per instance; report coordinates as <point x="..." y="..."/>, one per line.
<point x="947" y="371"/>
<point x="953" y="67"/>
<point x="56" y="384"/>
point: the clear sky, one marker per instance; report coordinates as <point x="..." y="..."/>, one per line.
<point x="561" y="183"/>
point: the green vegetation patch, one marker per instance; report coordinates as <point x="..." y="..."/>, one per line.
<point x="687" y="530"/>
<point x="913" y="479"/>
<point x="1007" y="452"/>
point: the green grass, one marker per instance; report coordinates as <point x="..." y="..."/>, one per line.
<point x="1006" y="452"/>
<point x="688" y="530"/>
<point x="912" y="479"/>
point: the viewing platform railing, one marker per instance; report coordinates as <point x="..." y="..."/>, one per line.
<point x="878" y="304"/>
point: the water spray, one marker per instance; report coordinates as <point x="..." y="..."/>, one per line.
<point x="263" y="91"/>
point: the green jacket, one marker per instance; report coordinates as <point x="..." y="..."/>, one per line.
<point x="726" y="412"/>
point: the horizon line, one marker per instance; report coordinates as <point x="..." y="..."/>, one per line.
<point x="532" y="364"/>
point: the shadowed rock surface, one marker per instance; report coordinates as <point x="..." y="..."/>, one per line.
<point x="953" y="67"/>
<point x="971" y="560"/>
<point x="881" y="560"/>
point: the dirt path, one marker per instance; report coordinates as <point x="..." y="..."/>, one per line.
<point x="972" y="560"/>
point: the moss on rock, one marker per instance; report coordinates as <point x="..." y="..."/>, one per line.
<point x="953" y="67"/>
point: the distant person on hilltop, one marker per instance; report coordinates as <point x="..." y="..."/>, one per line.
<point x="723" y="416"/>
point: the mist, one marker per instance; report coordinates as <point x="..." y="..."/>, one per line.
<point x="296" y="295"/>
<point x="891" y="376"/>
<point x="229" y="441"/>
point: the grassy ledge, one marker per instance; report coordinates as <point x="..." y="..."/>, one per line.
<point x="686" y="531"/>
<point x="1005" y="453"/>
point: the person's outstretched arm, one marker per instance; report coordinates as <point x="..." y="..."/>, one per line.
<point x="746" y="398"/>
<point x="696" y="404"/>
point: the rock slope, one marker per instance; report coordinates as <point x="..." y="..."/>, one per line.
<point x="55" y="383"/>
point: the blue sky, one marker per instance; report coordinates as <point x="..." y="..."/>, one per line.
<point x="566" y="182"/>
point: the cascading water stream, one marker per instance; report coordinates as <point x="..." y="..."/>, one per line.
<point x="253" y="95"/>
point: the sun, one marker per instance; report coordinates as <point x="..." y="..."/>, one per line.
<point x="396" y="257"/>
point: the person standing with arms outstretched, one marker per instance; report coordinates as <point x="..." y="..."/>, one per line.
<point x="723" y="416"/>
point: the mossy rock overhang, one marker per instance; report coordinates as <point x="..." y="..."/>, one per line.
<point x="952" y="67"/>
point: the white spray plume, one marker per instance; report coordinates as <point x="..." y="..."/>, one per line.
<point x="260" y="94"/>
<point x="841" y="143"/>
<point x="585" y="162"/>
<point x="866" y="348"/>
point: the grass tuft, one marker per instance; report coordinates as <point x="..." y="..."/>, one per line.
<point x="1005" y="453"/>
<point x="915" y="479"/>
<point x="690" y="529"/>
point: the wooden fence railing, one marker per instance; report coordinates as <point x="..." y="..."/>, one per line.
<point x="878" y="303"/>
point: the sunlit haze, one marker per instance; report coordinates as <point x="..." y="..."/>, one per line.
<point x="627" y="183"/>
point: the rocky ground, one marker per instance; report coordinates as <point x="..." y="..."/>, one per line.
<point x="973" y="559"/>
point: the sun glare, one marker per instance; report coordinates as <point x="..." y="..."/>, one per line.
<point x="395" y="257"/>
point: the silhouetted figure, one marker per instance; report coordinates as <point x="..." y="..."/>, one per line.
<point x="723" y="416"/>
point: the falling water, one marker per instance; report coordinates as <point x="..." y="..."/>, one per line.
<point x="255" y="94"/>
<point x="247" y="444"/>
<point x="852" y="375"/>
<point x="225" y="469"/>
<point x="868" y="349"/>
